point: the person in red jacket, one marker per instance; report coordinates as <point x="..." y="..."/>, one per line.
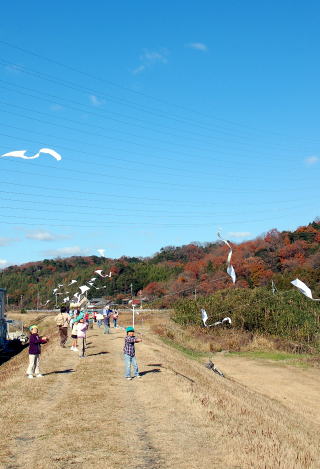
<point x="35" y="342"/>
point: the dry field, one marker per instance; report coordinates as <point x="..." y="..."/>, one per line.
<point x="179" y="415"/>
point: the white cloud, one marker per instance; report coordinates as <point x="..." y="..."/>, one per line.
<point x="138" y="69"/>
<point x="67" y="251"/>
<point x="42" y="235"/>
<point x="6" y="241"/>
<point x="95" y="101"/>
<point x="3" y="263"/>
<point x="311" y="160"/>
<point x="149" y="58"/>
<point x="239" y="234"/>
<point x="56" y="107"/>
<point x="101" y="252"/>
<point x="198" y="46"/>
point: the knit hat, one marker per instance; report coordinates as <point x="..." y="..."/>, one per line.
<point x="129" y="329"/>
<point x="31" y="327"/>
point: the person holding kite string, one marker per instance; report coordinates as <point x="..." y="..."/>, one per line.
<point x="35" y="342"/>
<point x="130" y="353"/>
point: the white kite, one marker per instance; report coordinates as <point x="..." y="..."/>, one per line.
<point x="230" y="269"/>
<point x="303" y="288"/>
<point x="21" y="154"/>
<point x="72" y="282"/>
<point x="99" y="272"/>
<point x="55" y="290"/>
<point x="224" y="321"/>
<point x="45" y="304"/>
<point x="204" y="317"/>
<point x="84" y="288"/>
<point x="101" y="252"/>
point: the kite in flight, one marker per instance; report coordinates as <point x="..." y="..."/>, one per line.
<point x="99" y="272"/>
<point x="230" y="268"/>
<point x="303" y="288"/>
<point x="21" y="154"/>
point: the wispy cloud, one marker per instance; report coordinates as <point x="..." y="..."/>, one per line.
<point x="101" y="252"/>
<point x="6" y="241"/>
<point x="13" y="68"/>
<point x="95" y="101"/>
<point x="311" y="160"/>
<point x="67" y="251"/>
<point x="239" y="234"/>
<point x="150" y="58"/>
<point x="198" y="46"/>
<point x="42" y="235"/>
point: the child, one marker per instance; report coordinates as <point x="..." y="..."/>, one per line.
<point x="115" y="318"/>
<point x="81" y="334"/>
<point x="74" y="336"/>
<point x="34" y="352"/>
<point x="106" y="321"/>
<point x="129" y="353"/>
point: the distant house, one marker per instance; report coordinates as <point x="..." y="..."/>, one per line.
<point x="3" y="324"/>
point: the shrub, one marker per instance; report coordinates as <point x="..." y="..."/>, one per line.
<point x="286" y="314"/>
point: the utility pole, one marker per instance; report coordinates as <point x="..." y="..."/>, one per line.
<point x="131" y="289"/>
<point x="21" y="296"/>
<point x="38" y="300"/>
<point x="195" y="294"/>
<point x="133" y="306"/>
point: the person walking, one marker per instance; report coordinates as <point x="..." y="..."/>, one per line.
<point x="35" y="342"/>
<point x="130" y="353"/>
<point x="62" y="321"/>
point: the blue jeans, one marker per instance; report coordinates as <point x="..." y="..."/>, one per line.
<point x="128" y="361"/>
<point x="115" y="323"/>
<point x="99" y="323"/>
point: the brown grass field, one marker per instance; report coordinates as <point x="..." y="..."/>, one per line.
<point x="179" y="415"/>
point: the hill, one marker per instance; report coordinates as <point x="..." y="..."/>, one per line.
<point x="174" y="272"/>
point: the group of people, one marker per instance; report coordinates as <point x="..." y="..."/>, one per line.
<point x="79" y="322"/>
<point x="71" y="319"/>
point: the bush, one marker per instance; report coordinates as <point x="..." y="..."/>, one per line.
<point x="286" y="314"/>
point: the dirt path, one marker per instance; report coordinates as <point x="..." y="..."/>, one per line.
<point x="84" y="414"/>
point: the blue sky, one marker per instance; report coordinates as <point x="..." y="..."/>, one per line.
<point x="173" y="120"/>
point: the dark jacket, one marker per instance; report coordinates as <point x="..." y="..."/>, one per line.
<point x="34" y="344"/>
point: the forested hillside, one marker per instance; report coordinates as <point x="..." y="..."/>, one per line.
<point x="174" y="272"/>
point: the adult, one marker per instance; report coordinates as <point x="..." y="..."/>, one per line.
<point x="62" y="321"/>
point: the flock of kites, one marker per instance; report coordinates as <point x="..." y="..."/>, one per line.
<point x="78" y="295"/>
<point x="302" y="287"/>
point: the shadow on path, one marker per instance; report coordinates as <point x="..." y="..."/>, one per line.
<point x="98" y="353"/>
<point x="68" y="370"/>
<point x="154" y="370"/>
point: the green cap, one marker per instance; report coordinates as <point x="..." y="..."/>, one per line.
<point x="31" y="327"/>
<point x="130" y="329"/>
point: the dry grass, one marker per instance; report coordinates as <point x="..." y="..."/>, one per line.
<point x="178" y="416"/>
